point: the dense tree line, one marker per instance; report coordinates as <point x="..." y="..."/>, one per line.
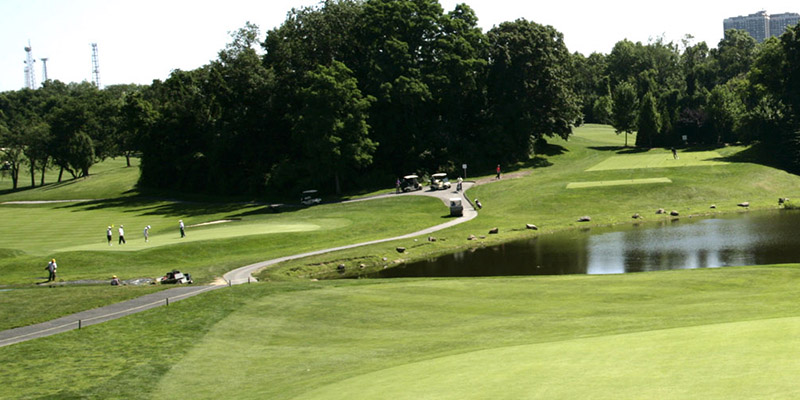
<point x="351" y="93"/>
<point x="678" y="94"/>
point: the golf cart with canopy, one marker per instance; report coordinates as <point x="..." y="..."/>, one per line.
<point x="439" y="181"/>
<point x="309" y="198"/>
<point x="410" y="183"/>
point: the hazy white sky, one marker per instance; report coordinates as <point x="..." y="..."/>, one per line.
<point x="142" y="40"/>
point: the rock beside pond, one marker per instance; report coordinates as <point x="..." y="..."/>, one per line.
<point x="674" y="213"/>
<point x="400" y="249"/>
<point x="340" y="268"/>
<point x="532" y="226"/>
<point x="713" y="206"/>
<point x="472" y="237"/>
<point x="431" y="239"/>
<point x="585" y="218"/>
<point x="636" y="216"/>
<point x="783" y="200"/>
<point x="494" y="231"/>
<point x="661" y="211"/>
<point x="744" y="204"/>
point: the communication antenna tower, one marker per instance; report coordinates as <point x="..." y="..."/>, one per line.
<point x="44" y="69"/>
<point x="95" y="66"/>
<point x="30" y="75"/>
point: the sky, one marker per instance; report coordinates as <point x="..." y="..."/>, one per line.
<point x="139" y="41"/>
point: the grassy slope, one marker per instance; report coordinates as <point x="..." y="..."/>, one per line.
<point x="542" y="198"/>
<point x="74" y="234"/>
<point x="715" y="333"/>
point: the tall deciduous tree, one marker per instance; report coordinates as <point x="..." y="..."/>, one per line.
<point x="648" y="122"/>
<point x="624" y="109"/>
<point x="331" y="125"/>
<point x="529" y="90"/>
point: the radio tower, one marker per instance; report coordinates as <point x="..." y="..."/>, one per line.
<point x="44" y="69"/>
<point x="95" y="66"/>
<point x="30" y="75"/>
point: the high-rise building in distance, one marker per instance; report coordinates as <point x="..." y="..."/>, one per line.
<point x="761" y="25"/>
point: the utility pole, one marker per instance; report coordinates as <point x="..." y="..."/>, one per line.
<point x="95" y="66"/>
<point x="30" y="74"/>
<point x="44" y="69"/>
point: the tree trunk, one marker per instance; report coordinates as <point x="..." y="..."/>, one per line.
<point x="14" y="176"/>
<point x="626" y="139"/>
<point x="44" y="168"/>
<point x="33" y="174"/>
<point x="128" y="158"/>
<point x="60" y="173"/>
<point x="338" y="188"/>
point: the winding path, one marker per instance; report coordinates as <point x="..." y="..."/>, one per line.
<point x="235" y="277"/>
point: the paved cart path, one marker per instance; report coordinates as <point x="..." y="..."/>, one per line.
<point x="235" y="277"/>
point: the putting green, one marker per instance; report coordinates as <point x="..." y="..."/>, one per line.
<point x="659" y="160"/>
<point x="135" y="240"/>
<point x="740" y="362"/>
<point x="623" y="182"/>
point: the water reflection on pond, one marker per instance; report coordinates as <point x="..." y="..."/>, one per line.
<point x="743" y="239"/>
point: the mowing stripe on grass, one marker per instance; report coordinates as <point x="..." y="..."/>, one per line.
<point x="659" y="160"/>
<point x="675" y="363"/>
<point x="623" y="182"/>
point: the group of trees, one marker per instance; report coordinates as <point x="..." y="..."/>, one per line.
<point x="69" y="127"/>
<point x="672" y="94"/>
<point x="352" y="92"/>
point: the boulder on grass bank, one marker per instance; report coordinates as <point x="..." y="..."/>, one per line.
<point x="585" y="218"/>
<point x="661" y="211"/>
<point x="472" y="237"/>
<point x="401" y="249"/>
<point x="532" y="226"/>
<point x="744" y="204"/>
<point x="636" y="216"/>
<point x="494" y="231"/>
<point x="674" y="213"/>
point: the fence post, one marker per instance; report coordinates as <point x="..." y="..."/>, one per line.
<point x="79" y="324"/>
<point x="167" y="301"/>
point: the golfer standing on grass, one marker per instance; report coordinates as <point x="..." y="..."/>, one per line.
<point x="108" y="235"/>
<point x="121" y="235"/>
<point x="146" y="233"/>
<point x="51" y="268"/>
<point x="183" y="228"/>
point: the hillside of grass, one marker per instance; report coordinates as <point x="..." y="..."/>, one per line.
<point x="709" y="333"/>
<point x="542" y="195"/>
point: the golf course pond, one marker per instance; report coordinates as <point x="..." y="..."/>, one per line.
<point x="748" y="238"/>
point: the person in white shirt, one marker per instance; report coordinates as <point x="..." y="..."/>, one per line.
<point x="121" y="235"/>
<point x="183" y="228"/>
<point x="146" y="233"/>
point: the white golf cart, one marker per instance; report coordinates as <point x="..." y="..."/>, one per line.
<point x="309" y="198"/>
<point x="439" y="181"/>
<point x="410" y="183"/>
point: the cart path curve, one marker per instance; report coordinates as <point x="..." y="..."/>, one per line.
<point x="245" y="274"/>
<point x="235" y="277"/>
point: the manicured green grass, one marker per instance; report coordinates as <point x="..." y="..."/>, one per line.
<point x="108" y="179"/>
<point x="623" y="182"/>
<point x="541" y="197"/>
<point x="75" y="233"/>
<point x="30" y="305"/>
<point x="659" y="158"/>
<point x="713" y="333"/>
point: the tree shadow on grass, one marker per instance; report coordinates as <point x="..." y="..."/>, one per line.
<point x="620" y="149"/>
